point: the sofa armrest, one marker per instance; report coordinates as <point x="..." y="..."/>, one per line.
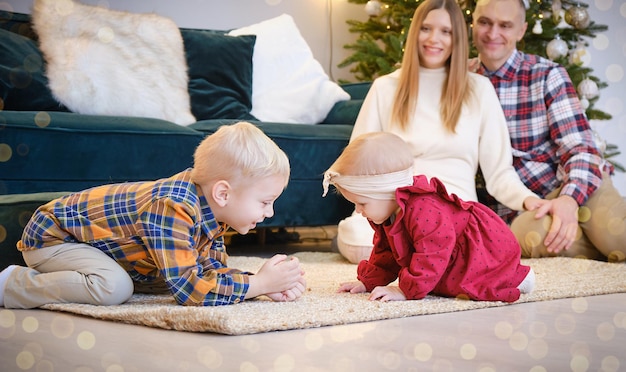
<point x="346" y="112"/>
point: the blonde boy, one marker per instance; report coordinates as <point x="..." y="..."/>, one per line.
<point x="100" y="245"/>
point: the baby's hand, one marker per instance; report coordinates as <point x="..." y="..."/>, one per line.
<point x="387" y="293"/>
<point x="352" y="287"/>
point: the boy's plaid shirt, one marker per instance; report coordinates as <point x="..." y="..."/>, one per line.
<point x="156" y="230"/>
<point x="553" y="143"/>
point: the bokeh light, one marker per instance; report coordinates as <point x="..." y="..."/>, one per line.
<point x="86" y="340"/>
<point x="468" y="351"/>
<point x="565" y="324"/>
<point x="62" y="326"/>
<point x="423" y="352"/>
<point x="538" y="348"/>
<point x="580" y="305"/>
<point x="30" y="324"/>
<point x="518" y="341"/>
<point x="210" y="358"/>
<point x="5" y="152"/>
<point x="42" y="119"/>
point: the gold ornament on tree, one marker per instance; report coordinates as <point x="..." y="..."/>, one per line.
<point x="578" y="17"/>
<point x="558" y="15"/>
<point x="579" y="56"/>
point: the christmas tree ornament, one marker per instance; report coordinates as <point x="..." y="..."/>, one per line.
<point x="587" y="89"/>
<point x="559" y="19"/>
<point x="373" y="8"/>
<point x="584" y="102"/>
<point x="579" y="56"/>
<point x="556" y="48"/>
<point x="556" y="7"/>
<point x="537" y="29"/>
<point x="578" y="17"/>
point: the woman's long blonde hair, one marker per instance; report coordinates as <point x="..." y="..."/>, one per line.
<point x="456" y="89"/>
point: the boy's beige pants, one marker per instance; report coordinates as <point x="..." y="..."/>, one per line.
<point x="70" y="272"/>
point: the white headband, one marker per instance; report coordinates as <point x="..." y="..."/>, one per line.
<point x="380" y="186"/>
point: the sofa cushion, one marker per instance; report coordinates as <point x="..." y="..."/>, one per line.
<point x="23" y="84"/>
<point x="81" y="151"/>
<point x="220" y="74"/>
<point x="107" y="62"/>
<point x="18" y="23"/>
<point x="15" y="211"/>
<point x="289" y="85"/>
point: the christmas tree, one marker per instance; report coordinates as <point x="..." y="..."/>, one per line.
<point x="557" y="29"/>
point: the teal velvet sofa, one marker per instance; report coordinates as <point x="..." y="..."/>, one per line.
<point x="46" y="150"/>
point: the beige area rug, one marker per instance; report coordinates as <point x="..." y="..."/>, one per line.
<point x="322" y="306"/>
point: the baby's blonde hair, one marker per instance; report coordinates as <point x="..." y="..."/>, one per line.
<point x="372" y="154"/>
<point x="238" y="152"/>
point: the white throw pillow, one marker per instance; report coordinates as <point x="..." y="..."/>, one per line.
<point x="105" y="62"/>
<point x="288" y="84"/>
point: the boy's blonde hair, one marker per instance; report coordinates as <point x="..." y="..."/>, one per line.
<point x="373" y="154"/>
<point x="238" y="152"/>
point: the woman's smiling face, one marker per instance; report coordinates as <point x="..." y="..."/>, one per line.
<point x="435" y="39"/>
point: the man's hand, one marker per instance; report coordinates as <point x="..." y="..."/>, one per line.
<point x="562" y="232"/>
<point x="473" y="64"/>
<point x="387" y="293"/>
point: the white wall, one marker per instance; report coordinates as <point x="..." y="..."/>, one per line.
<point x="322" y="24"/>
<point x="608" y="61"/>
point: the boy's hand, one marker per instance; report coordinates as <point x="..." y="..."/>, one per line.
<point x="352" y="287"/>
<point x="290" y="294"/>
<point x="277" y="275"/>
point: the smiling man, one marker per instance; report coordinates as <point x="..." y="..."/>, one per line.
<point x="554" y="151"/>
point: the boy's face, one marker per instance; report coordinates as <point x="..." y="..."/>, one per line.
<point x="497" y="27"/>
<point x="375" y="210"/>
<point x="251" y="202"/>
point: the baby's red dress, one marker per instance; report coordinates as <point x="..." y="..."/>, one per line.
<point x="439" y="244"/>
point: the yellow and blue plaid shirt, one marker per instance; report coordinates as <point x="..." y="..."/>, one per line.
<point x="155" y="230"/>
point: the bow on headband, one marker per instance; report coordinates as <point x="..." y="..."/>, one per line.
<point x="379" y="186"/>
